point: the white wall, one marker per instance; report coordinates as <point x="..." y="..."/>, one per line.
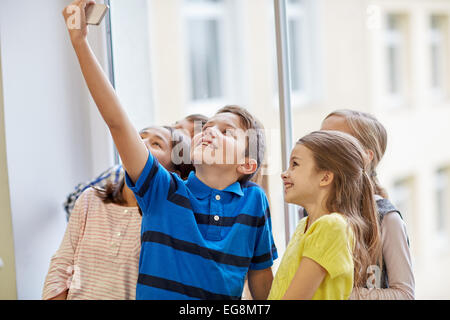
<point x="54" y="136"/>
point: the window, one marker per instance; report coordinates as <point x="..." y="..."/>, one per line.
<point x="301" y="23"/>
<point x="395" y="53"/>
<point x="300" y="15"/>
<point x="296" y="25"/>
<point x="442" y="201"/>
<point x="206" y="44"/>
<point x="402" y="198"/>
<point x="438" y="54"/>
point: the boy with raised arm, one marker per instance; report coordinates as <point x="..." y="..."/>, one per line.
<point x="200" y="237"/>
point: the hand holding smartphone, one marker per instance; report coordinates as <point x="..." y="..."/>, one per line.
<point x="95" y="13"/>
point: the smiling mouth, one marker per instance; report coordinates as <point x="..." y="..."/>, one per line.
<point x="207" y="144"/>
<point x="287" y="186"/>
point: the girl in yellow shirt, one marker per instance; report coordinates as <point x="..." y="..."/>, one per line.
<point x="333" y="247"/>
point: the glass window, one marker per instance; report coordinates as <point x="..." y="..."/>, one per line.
<point x="295" y="11"/>
<point x="437" y="54"/>
<point x="205" y="46"/>
<point x="442" y="200"/>
<point x="394" y="43"/>
<point x="302" y="50"/>
<point x="396" y="81"/>
<point x="205" y="60"/>
<point x="402" y="198"/>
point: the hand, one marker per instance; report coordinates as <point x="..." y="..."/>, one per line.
<point x="75" y="17"/>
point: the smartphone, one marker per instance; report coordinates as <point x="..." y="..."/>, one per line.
<point x="95" y="13"/>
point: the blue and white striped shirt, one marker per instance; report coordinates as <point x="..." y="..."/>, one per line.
<point x="199" y="242"/>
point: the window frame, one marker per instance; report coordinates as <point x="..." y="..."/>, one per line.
<point x="438" y="37"/>
<point x="442" y="179"/>
<point x="221" y="12"/>
<point x="395" y="38"/>
<point x="304" y="13"/>
<point x="296" y="12"/>
<point x="400" y="187"/>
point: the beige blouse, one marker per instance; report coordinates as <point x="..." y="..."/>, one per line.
<point x="397" y="257"/>
<point x="99" y="254"/>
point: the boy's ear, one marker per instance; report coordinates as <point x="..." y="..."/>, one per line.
<point x="327" y="178"/>
<point x="248" y="167"/>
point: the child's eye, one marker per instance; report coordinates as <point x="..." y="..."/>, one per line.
<point x="294" y="164"/>
<point x="156" y="144"/>
<point x="230" y="132"/>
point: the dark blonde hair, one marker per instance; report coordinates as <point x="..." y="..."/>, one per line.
<point x="372" y="135"/>
<point x="351" y="194"/>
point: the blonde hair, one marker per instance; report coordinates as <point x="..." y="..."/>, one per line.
<point x="372" y="135"/>
<point x="351" y="194"/>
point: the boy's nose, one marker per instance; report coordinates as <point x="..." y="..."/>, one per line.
<point x="211" y="131"/>
<point x="284" y="175"/>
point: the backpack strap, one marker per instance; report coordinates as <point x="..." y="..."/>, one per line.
<point x="384" y="207"/>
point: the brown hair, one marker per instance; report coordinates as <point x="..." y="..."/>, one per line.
<point x="351" y="194"/>
<point x="112" y="192"/>
<point x="372" y="135"/>
<point x="258" y="140"/>
<point x="197" y="117"/>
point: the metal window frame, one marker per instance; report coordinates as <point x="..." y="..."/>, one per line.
<point x="110" y="57"/>
<point x="284" y="90"/>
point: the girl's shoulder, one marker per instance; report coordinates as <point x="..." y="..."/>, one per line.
<point x="334" y="220"/>
<point x="333" y="226"/>
<point x="89" y="199"/>
<point x="90" y="195"/>
<point x="329" y="225"/>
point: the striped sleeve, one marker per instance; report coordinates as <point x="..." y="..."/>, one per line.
<point x="152" y="184"/>
<point x="62" y="262"/>
<point x="265" y="250"/>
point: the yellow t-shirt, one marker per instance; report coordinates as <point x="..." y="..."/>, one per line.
<point x="329" y="242"/>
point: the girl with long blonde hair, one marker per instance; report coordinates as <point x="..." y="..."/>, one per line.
<point x="334" y="245"/>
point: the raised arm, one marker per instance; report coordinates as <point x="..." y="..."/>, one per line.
<point x="132" y="150"/>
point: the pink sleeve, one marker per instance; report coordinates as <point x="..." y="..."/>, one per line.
<point x="62" y="263"/>
<point x="397" y="257"/>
